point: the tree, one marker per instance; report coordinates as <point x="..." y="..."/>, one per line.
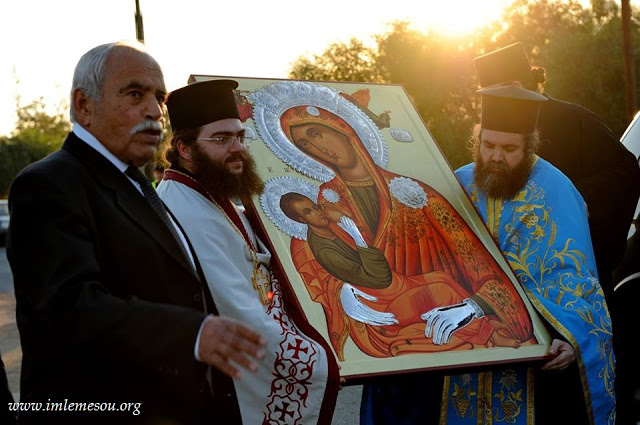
<point x="535" y="23"/>
<point x="35" y="135"/>
<point x="351" y="61"/>
<point x="437" y="73"/>
<point x="422" y="63"/>
<point x="35" y="125"/>
<point x="579" y="47"/>
<point x="598" y="81"/>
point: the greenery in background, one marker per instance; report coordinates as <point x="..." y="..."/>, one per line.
<point x="37" y="134"/>
<point x="580" y="48"/>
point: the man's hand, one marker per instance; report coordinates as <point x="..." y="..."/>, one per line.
<point x="354" y="308"/>
<point x="586" y="207"/>
<point x="563" y="353"/>
<point x="223" y="339"/>
<point x="342" y="382"/>
<point x="444" y="321"/>
<point x="348" y="225"/>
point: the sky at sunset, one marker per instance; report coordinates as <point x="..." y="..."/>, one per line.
<point x="42" y="40"/>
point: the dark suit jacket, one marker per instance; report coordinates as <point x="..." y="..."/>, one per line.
<point x="605" y="173"/>
<point x="108" y="306"/>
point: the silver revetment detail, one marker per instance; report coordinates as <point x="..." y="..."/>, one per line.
<point x="312" y="110"/>
<point x="408" y="192"/>
<point x="271" y="101"/>
<point x="330" y="195"/>
<point x="270" y="202"/>
<point x="401" y="135"/>
<point x="249" y="132"/>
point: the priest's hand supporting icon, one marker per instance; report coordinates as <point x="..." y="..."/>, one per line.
<point x="563" y="353"/>
<point x="444" y="321"/>
<point x="357" y="310"/>
<point x="223" y="339"/>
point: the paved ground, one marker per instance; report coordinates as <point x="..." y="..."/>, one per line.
<point x="346" y="412"/>
<point x="6" y="281"/>
<point x="348" y="406"/>
<point x="9" y="338"/>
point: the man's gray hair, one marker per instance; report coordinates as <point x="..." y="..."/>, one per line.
<point x="89" y="73"/>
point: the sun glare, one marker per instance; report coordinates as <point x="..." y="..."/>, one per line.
<point x="460" y="17"/>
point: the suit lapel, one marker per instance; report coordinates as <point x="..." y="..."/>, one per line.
<point x="210" y="305"/>
<point x="127" y="197"/>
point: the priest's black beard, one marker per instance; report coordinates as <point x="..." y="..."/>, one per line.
<point x="219" y="181"/>
<point x="505" y="183"/>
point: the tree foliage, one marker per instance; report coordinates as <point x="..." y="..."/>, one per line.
<point x="36" y="134"/>
<point x="352" y="61"/>
<point x="580" y="48"/>
<point x="423" y="64"/>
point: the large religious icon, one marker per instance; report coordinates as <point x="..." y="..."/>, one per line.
<point x="385" y="254"/>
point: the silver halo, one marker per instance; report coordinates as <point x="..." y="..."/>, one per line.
<point x="271" y="101"/>
<point x="270" y="202"/>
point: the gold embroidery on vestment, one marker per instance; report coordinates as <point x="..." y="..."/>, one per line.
<point x="360" y="184"/>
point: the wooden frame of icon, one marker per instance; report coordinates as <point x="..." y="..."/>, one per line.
<point x="373" y="235"/>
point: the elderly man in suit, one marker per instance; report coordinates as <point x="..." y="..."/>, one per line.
<point x="116" y="321"/>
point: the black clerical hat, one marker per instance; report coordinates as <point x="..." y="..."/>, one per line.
<point x="503" y="66"/>
<point x="201" y="103"/>
<point x="511" y="109"/>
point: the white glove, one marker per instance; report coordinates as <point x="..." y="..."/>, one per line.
<point x="355" y="309"/>
<point x="349" y="226"/>
<point x="444" y="321"/>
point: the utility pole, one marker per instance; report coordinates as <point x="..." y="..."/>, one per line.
<point x="139" y="27"/>
<point x="149" y="166"/>
<point x="629" y="69"/>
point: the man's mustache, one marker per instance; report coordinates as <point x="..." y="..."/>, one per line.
<point x="236" y="156"/>
<point x="496" y="167"/>
<point x="145" y="126"/>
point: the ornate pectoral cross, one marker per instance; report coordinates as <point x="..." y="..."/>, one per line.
<point x="262" y="283"/>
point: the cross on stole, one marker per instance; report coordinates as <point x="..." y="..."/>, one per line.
<point x="284" y="411"/>
<point x="297" y="348"/>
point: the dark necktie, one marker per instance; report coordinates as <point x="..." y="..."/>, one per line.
<point x="154" y="200"/>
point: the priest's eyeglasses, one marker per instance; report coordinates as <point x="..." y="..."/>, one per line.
<point x="224" y="140"/>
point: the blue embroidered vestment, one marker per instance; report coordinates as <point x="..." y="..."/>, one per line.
<point x="548" y="246"/>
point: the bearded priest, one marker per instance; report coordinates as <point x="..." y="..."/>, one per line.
<point x="539" y="221"/>
<point x="210" y="171"/>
